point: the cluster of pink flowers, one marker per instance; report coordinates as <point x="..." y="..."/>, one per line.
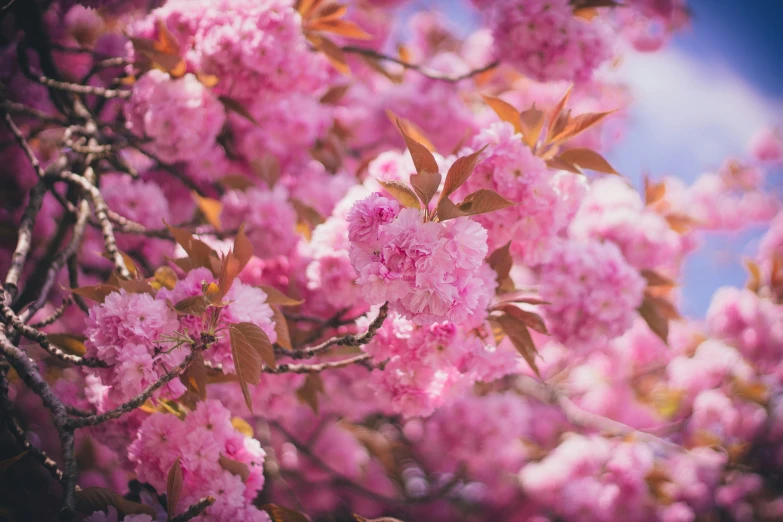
<point x="544" y="39"/>
<point x="614" y="212"/>
<point x="593" y="292"/>
<point x="542" y="207"/>
<point x="204" y="441"/>
<point x="127" y="332"/>
<point x="182" y="116"/>
<point x="246" y="304"/>
<point x="426" y="271"/>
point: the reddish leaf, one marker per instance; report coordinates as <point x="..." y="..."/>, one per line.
<point x="195" y="377"/>
<point x="578" y="124"/>
<point x="501" y="262"/>
<point x="96" y="293"/>
<point x="483" y="201"/>
<point x="242" y="426"/>
<point x="655" y="279"/>
<point x="166" y="277"/>
<point x="423" y="159"/>
<point x="382" y="519"/>
<point x="173" y="488"/>
<point x="529" y="319"/>
<point x="308" y="392"/>
<point x="344" y="28"/>
<point x="557" y="163"/>
<point x="229" y="270"/>
<point x="234" y="467"/>
<point x="754" y="275"/>
<point x="195" y="305"/>
<point x="402" y="193"/>
<point x="237" y="182"/>
<point x="653" y="192"/>
<point x="520" y="337"/>
<point x="137" y="286"/>
<point x="448" y="210"/>
<point x="654" y="319"/>
<point x="69" y="343"/>
<point x="529" y="300"/>
<point x="282" y="514"/>
<point x="247" y="361"/>
<point x="554" y="116"/>
<point x="243" y="248"/>
<point x="210" y="208"/>
<point x="532" y="121"/>
<point x="505" y="111"/>
<point x="281" y="328"/>
<point x="681" y="223"/>
<point x="587" y="159"/>
<point x="267" y="169"/>
<point x="236" y="106"/>
<point x="335" y="94"/>
<point x="332" y="51"/>
<point x="90" y="500"/>
<point x="459" y="172"/>
<point x="276" y="297"/>
<point x="6" y="464"/>
<point x="410" y="129"/>
<point x="425" y="185"/>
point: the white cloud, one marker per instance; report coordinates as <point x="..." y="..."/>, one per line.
<point x="689" y="114"/>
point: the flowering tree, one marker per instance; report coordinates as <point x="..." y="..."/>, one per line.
<point x="260" y="264"/>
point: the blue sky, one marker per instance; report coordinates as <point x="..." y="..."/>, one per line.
<point x="696" y="103"/>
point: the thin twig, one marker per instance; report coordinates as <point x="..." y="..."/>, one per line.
<point x="194" y="510"/>
<point x="425" y="71"/>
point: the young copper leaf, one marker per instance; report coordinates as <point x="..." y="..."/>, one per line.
<point x="258" y="339"/>
<point x="532" y="121"/>
<point x="242" y="426"/>
<point x="529" y="300"/>
<point x="423" y="159"/>
<point x="96" y="292"/>
<point x="448" y="210"/>
<point x="754" y="276"/>
<point x="411" y="129"/>
<point x="654" y="319"/>
<point x="587" y="159"/>
<point x="557" y="110"/>
<point x="236" y="106"/>
<point x="655" y="279"/>
<point x="483" y="201"/>
<point x="681" y="223"/>
<point x="236" y="182"/>
<point x="243" y="248"/>
<point x="267" y="169"/>
<point x="129" y="264"/>
<point x="308" y="392"/>
<point x="276" y="297"/>
<point x="459" y="172"/>
<point x="505" y="111"/>
<point x="664" y="307"/>
<point x="530" y="319"/>
<point x="425" y="184"/>
<point x="195" y="377"/>
<point x="137" y="286"/>
<point x="229" y="270"/>
<point x="166" y="277"/>
<point x="500" y="261"/>
<point x="557" y="163"/>
<point x="69" y="343"/>
<point x="402" y="193"/>
<point x="520" y="337"/>
<point x="6" y="464"/>
<point x="210" y="208"/>
<point x="234" y="467"/>
<point x="201" y="255"/>
<point x="90" y="500"/>
<point x="281" y="328"/>
<point x="334" y="94"/>
<point x="195" y="305"/>
<point x="173" y="487"/>
<point x="653" y="192"/>
<point x="344" y="28"/>
<point x="247" y="362"/>
<point x="283" y="514"/>
<point x="303" y="7"/>
<point x="578" y="124"/>
<point x="332" y="51"/>
<point x="382" y="519"/>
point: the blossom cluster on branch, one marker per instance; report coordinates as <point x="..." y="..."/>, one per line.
<point x="261" y="260"/>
